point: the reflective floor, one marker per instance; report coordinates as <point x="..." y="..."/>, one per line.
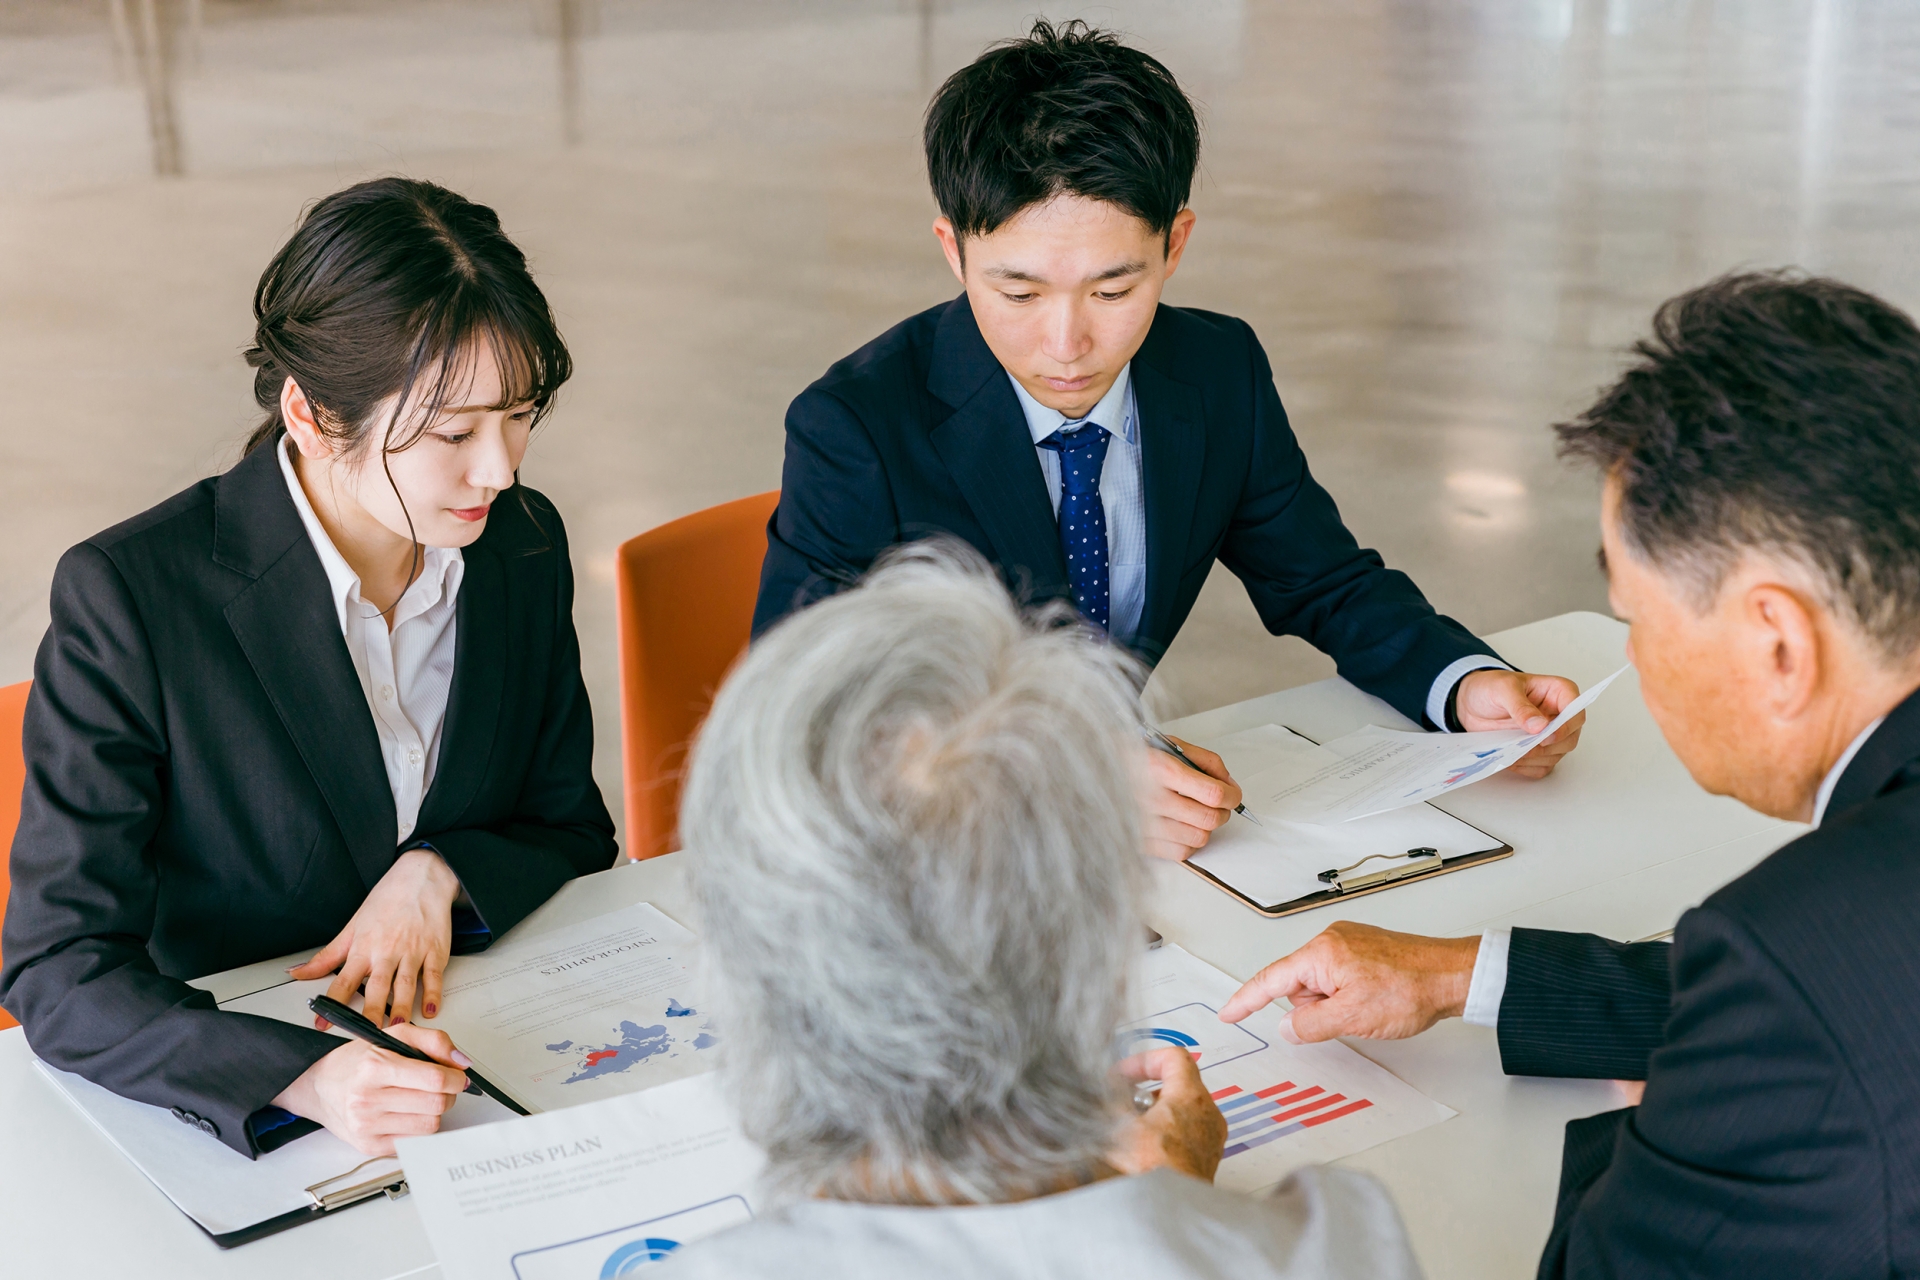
<point x="1444" y="219"/>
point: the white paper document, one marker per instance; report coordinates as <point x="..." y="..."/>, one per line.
<point x="596" y="1190"/>
<point x="1373" y="770"/>
<point x="1286" y="1105"/>
<point x="593" y="1010"/>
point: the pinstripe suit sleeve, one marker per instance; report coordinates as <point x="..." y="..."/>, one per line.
<point x="1755" y="1151"/>
<point x="1582" y="1006"/>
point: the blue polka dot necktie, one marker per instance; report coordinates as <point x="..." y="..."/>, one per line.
<point x="1083" y="518"/>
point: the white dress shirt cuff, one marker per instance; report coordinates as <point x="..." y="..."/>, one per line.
<point x="1489" y="979"/>
<point x="1444" y="682"/>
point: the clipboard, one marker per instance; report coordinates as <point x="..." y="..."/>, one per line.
<point x="1262" y="867"/>
<point x="236" y="1201"/>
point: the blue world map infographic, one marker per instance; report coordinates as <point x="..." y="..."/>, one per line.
<point x="638" y="1043"/>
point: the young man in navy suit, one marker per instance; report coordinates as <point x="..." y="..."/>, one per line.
<point x="1095" y="444"/>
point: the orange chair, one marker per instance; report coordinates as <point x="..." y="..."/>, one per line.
<point x="686" y="593"/>
<point x="13" y="776"/>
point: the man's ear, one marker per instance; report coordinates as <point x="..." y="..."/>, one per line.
<point x="1177" y="236"/>
<point x="950" y="245"/>
<point x="1783" y="624"/>
<point x="296" y="411"/>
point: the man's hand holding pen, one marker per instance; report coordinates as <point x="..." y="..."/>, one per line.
<point x="1187" y="800"/>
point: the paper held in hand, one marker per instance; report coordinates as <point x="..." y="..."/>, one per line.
<point x="1373" y="770"/>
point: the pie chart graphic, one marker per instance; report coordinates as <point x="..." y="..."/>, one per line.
<point x="635" y="1254"/>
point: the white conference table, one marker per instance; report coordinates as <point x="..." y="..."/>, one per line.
<point x="1619" y="841"/>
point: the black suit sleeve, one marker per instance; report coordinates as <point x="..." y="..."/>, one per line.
<point x="1308" y="577"/>
<point x="78" y="974"/>
<point x="560" y="827"/>
<point x="1744" y="1158"/>
<point x="836" y="510"/>
<point x="1581" y="1006"/>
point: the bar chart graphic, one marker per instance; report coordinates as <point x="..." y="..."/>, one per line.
<point x="1286" y="1105"/>
<point x="1267" y="1115"/>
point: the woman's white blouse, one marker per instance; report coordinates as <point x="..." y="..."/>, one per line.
<point x="406" y="672"/>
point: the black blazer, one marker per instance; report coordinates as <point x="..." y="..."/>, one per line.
<point x="1779" y="1036"/>
<point x="204" y="786"/>
<point x="919" y="432"/>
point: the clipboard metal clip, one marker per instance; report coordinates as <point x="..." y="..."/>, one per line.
<point x="329" y="1193"/>
<point x="1425" y="859"/>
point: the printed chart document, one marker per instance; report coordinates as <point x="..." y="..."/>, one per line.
<point x="1286" y="1105"/>
<point x="596" y="1190"/>
<point x="593" y="1010"/>
<point x="1373" y="770"/>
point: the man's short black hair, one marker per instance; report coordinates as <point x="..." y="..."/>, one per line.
<point x="1780" y="413"/>
<point x="1067" y="111"/>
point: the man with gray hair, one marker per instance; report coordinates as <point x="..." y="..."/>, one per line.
<point x="1760" y="526"/>
<point x="915" y="826"/>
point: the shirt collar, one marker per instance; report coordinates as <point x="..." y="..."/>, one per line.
<point x="1116" y="410"/>
<point x="438" y="574"/>
<point x="1832" y="780"/>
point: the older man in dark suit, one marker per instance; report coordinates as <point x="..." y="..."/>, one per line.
<point x="1761" y="530"/>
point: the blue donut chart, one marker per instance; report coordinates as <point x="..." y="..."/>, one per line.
<point x="1165" y="1035"/>
<point x="633" y="1255"/>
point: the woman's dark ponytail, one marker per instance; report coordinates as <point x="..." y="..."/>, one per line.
<point x="267" y="382"/>
<point x="387" y="284"/>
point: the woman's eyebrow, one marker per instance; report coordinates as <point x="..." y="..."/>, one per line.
<point x="450" y="410"/>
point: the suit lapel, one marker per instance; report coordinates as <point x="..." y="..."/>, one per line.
<point x="479" y="680"/>
<point x="286" y="626"/>
<point x="1173" y="450"/>
<point x="989" y="453"/>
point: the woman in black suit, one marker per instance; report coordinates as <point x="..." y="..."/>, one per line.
<point x="330" y="699"/>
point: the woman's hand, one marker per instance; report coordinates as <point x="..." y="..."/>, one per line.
<point x="396" y="942"/>
<point x="1183" y="1130"/>
<point x="368" y="1096"/>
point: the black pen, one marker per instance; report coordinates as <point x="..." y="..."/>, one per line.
<point x="362" y="1027"/>
<point x="1172" y="748"/>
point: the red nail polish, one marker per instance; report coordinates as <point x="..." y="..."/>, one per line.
<point x="431" y="1010"/>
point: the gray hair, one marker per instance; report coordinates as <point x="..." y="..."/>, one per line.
<point x="915" y="836"/>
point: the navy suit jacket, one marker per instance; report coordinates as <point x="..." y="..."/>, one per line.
<point x="1779" y="1036"/>
<point x="919" y="433"/>
<point x="204" y="787"/>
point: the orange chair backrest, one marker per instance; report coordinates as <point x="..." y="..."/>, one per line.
<point x="13" y="776"/>
<point x="686" y="593"/>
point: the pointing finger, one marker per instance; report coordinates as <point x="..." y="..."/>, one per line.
<point x="1279" y="980"/>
